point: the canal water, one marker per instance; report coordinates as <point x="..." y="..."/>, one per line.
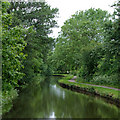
<point x="49" y="100"/>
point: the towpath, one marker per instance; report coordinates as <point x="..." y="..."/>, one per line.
<point x="75" y="77"/>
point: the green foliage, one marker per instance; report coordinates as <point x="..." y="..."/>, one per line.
<point x="66" y="78"/>
<point x="106" y="80"/>
<point x="25" y="45"/>
<point x="88" y="46"/>
<point x="41" y="17"/>
<point x="7" y="97"/>
<point x="13" y="44"/>
<point x="113" y="40"/>
<point x="109" y="63"/>
<point x="12" y="56"/>
<point x="80" y="41"/>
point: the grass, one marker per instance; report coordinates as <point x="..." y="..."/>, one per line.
<point x="65" y="75"/>
<point x="114" y="86"/>
<point x="100" y="90"/>
<point x="104" y="80"/>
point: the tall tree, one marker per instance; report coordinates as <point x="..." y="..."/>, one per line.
<point x="41" y="17"/>
<point x="13" y="44"/>
<point x="112" y="43"/>
<point x="80" y="36"/>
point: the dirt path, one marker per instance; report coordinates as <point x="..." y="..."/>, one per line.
<point x="73" y="80"/>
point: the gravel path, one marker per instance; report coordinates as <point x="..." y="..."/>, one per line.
<point x="73" y="80"/>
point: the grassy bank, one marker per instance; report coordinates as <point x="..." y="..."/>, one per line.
<point x="103" y="92"/>
<point x="63" y="75"/>
<point x="109" y="81"/>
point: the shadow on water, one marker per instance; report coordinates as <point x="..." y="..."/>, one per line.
<point x="49" y="100"/>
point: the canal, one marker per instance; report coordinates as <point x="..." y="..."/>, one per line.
<point x="49" y="100"/>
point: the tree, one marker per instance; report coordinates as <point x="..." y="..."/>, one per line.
<point x="13" y="44"/>
<point x="41" y="17"/>
<point x="80" y="36"/>
<point x="111" y="44"/>
<point x="12" y="50"/>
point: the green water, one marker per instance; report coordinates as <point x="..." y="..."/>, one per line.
<point x="49" y="100"/>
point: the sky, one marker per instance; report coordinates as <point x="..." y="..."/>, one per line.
<point x="69" y="7"/>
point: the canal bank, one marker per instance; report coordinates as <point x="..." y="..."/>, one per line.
<point x="111" y="95"/>
<point x="49" y="100"/>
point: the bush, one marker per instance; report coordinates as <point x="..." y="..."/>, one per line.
<point x="7" y="98"/>
<point x="106" y="80"/>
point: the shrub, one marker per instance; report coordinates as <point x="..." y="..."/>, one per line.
<point x="106" y="80"/>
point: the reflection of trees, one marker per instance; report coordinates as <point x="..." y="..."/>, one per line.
<point x="40" y="102"/>
<point x="100" y="109"/>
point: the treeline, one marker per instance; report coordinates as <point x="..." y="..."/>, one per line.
<point x="25" y="45"/>
<point x="89" y="46"/>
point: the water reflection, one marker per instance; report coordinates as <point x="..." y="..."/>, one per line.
<point x="57" y="91"/>
<point x="51" y="101"/>
<point x="52" y="115"/>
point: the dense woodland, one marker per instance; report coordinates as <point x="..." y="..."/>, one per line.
<point x="26" y="44"/>
<point x="87" y="46"/>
